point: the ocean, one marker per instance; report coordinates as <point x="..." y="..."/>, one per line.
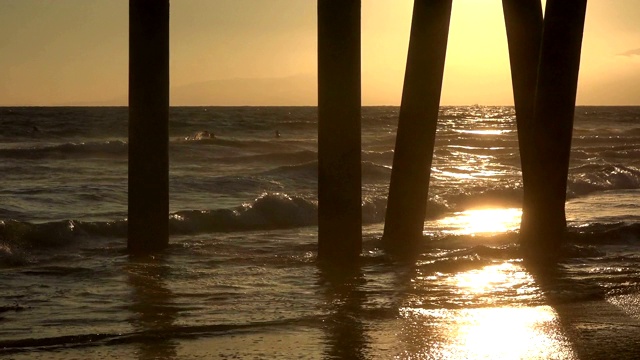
<point x="240" y="277"/>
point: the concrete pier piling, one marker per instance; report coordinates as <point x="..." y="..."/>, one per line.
<point x="544" y="222"/>
<point x="524" y="24"/>
<point x="148" y="218"/>
<point x="339" y="142"/>
<point x="523" y="20"/>
<point x="409" y="186"/>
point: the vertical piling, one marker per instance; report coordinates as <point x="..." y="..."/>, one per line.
<point x="544" y="223"/>
<point x="409" y="186"/>
<point x="339" y="102"/>
<point x="523" y="20"/>
<point x="148" y="224"/>
<point x="524" y="24"/>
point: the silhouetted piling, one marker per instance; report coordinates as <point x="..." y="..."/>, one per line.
<point x="339" y="171"/>
<point x="544" y="223"/>
<point x="148" y="223"/>
<point x="524" y="24"/>
<point x="523" y="20"/>
<point x="409" y="187"/>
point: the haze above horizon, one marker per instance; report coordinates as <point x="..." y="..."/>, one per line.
<point x="263" y="52"/>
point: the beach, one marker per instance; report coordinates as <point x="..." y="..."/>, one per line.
<point x="240" y="278"/>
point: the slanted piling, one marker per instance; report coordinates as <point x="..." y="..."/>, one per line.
<point x="544" y="223"/>
<point x="148" y="223"/>
<point x="409" y="186"/>
<point x="339" y="102"/>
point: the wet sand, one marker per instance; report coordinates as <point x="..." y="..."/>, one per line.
<point x="595" y="329"/>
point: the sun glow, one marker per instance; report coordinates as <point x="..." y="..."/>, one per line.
<point x="481" y="221"/>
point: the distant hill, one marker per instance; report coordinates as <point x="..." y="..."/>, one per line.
<point x="294" y="90"/>
<point x="291" y="90"/>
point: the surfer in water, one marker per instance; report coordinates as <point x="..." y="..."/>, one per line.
<point x="201" y="135"/>
<point x="277" y="133"/>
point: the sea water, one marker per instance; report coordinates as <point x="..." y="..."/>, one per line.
<point x="240" y="277"/>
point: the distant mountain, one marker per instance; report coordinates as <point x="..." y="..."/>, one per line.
<point x="294" y="90"/>
<point x="291" y="90"/>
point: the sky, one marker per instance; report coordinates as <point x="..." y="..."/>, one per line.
<point x="263" y="52"/>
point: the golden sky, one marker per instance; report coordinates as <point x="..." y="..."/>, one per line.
<point x="263" y="52"/>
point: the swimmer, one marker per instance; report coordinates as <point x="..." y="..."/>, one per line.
<point x="277" y="133"/>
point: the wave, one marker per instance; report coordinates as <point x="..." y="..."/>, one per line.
<point x="12" y="256"/>
<point x="605" y="133"/>
<point x="455" y="251"/>
<point x="268" y="212"/>
<point x="279" y="210"/>
<point x="254" y="144"/>
<point x="607" y="148"/>
<point x="112" y="148"/>
<point x="583" y="180"/>
<point x="303" y="171"/>
<point x="610" y="234"/>
<point x="371" y="172"/>
<point x="590" y="178"/>
<point x="378" y="156"/>
<point x="302" y="156"/>
<point x="226" y="185"/>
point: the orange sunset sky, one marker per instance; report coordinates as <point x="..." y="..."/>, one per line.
<point x="263" y="52"/>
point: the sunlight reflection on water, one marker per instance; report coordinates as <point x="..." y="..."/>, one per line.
<point x="481" y="221"/>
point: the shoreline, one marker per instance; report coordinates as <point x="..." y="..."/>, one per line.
<point x="592" y="329"/>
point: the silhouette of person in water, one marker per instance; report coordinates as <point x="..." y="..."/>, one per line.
<point x="201" y="135"/>
<point x="277" y="133"/>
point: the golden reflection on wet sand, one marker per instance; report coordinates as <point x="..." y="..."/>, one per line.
<point x="492" y="279"/>
<point x="483" y="131"/>
<point x="495" y="311"/>
<point x="485" y="333"/>
<point x="497" y="315"/>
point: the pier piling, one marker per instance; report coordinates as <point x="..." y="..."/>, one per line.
<point x="339" y="142"/>
<point x="409" y="186"/>
<point x="543" y="224"/>
<point x="523" y="20"/>
<point x="148" y="205"/>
